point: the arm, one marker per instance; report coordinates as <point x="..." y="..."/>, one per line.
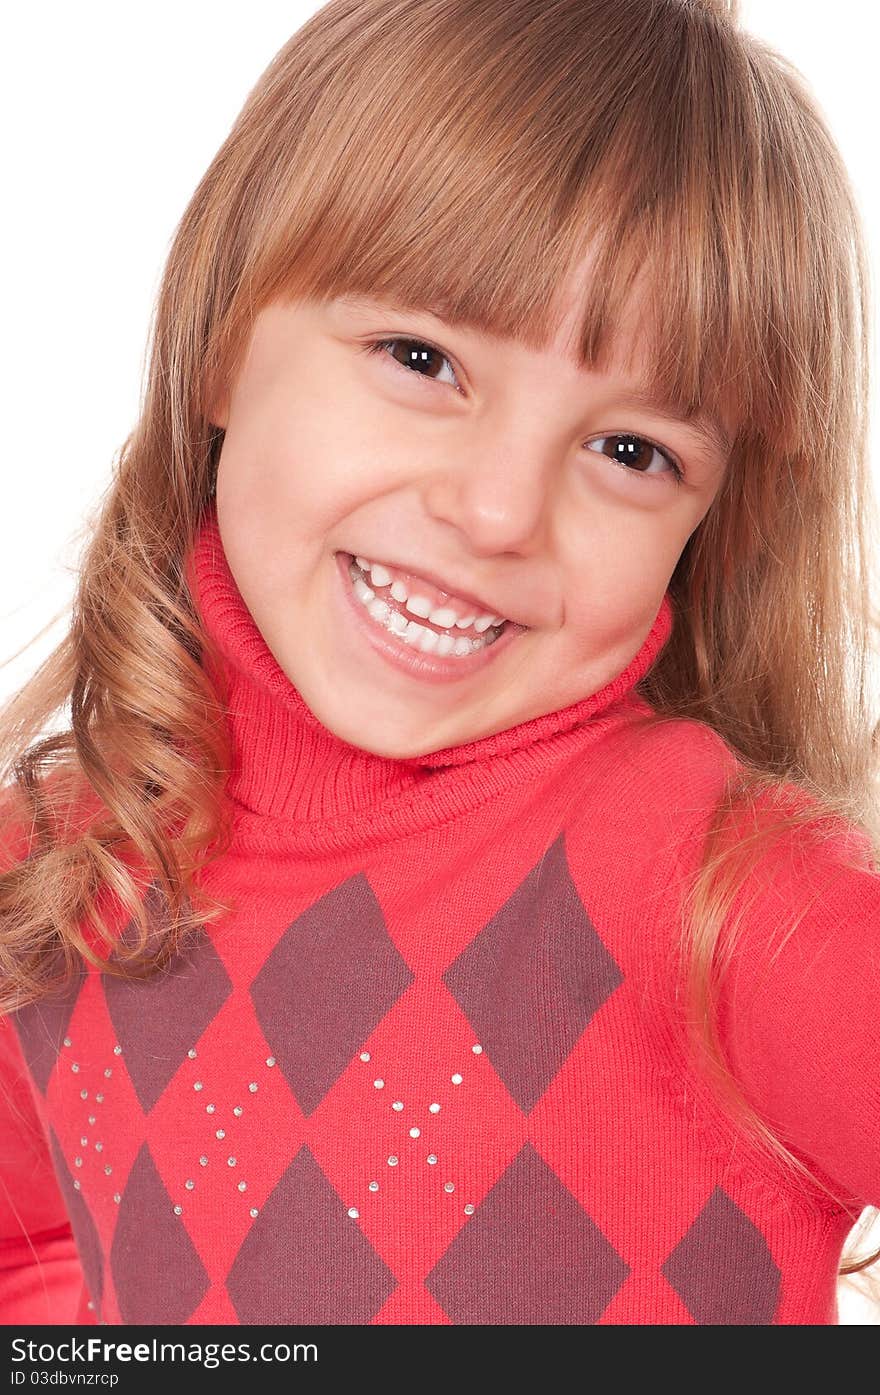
<point x="799" y="1014"/>
<point x="41" y="1280"/>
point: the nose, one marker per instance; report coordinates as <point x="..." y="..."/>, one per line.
<point x="500" y="494"/>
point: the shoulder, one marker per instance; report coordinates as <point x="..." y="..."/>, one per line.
<point x="649" y="788"/>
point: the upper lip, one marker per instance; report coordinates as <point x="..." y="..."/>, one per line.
<point x="448" y="588"/>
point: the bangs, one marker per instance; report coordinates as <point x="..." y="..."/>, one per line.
<point x="468" y="161"/>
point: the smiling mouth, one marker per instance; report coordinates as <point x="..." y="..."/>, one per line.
<point x="420" y="633"/>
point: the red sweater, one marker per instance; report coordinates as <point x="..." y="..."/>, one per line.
<point x="430" y="1068"/>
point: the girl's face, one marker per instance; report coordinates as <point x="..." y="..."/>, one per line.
<point x="485" y="479"/>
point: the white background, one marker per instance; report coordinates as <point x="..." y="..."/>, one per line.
<point x="110" y="114"/>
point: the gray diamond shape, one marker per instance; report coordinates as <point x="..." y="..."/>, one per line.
<point x="330" y="979"/>
<point x="722" y="1268"/>
<point x="157" y="1273"/>
<point x="41" y="1028"/>
<point x="304" y="1259"/>
<point x="157" y="1019"/>
<point x="85" y="1233"/>
<point x="541" y="947"/>
<point x="530" y="1254"/>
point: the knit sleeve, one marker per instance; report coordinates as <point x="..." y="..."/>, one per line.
<point x="41" y="1280"/>
<point x="799" y="1013"/>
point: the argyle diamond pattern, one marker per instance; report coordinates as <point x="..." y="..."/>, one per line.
<point x="339" y="971"/>
<point x="158" y="1275"/>
<point x="722" y="1268"/>
<point x="331" y="1138"/>
<point x="540" y="948"/>
<point x="304" y="1247"/>
<point x="531" y="1255"/>
<point x="187" y="996"/>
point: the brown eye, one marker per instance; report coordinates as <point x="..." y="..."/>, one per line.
<point x="636" y="454"/>
<point x="421" y="358"/>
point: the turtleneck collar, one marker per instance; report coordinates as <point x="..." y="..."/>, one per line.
<point x="326" y="793"/>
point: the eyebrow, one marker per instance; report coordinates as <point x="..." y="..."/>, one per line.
<point x="705" y="427"/>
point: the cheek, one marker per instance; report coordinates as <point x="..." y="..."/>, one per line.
<point x="615" y="596"/>
<point x="304" y="458"/>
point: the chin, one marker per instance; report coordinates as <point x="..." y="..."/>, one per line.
<point x="394" y="745"/>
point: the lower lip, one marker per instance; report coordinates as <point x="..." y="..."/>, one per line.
<point x="431" y="668"/>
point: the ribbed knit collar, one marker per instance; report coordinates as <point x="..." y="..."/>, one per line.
<point x="319" y="792"/>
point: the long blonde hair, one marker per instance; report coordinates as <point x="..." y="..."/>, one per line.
<point x="464" y="154"/>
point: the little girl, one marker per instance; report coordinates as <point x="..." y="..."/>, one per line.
<point x="455" y="899"/>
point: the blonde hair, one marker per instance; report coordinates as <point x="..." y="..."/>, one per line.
<point x="464" y="155"/>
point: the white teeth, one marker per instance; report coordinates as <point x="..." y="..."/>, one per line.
<point x="444" y="616"/>
<point x="379" y="575"/>
<point x="411" y="632"/>
<point x="397" y="622"/>
<point x="379" y="609"/>
<point x="362" y="591"/>
<point x="419" y="605"/>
